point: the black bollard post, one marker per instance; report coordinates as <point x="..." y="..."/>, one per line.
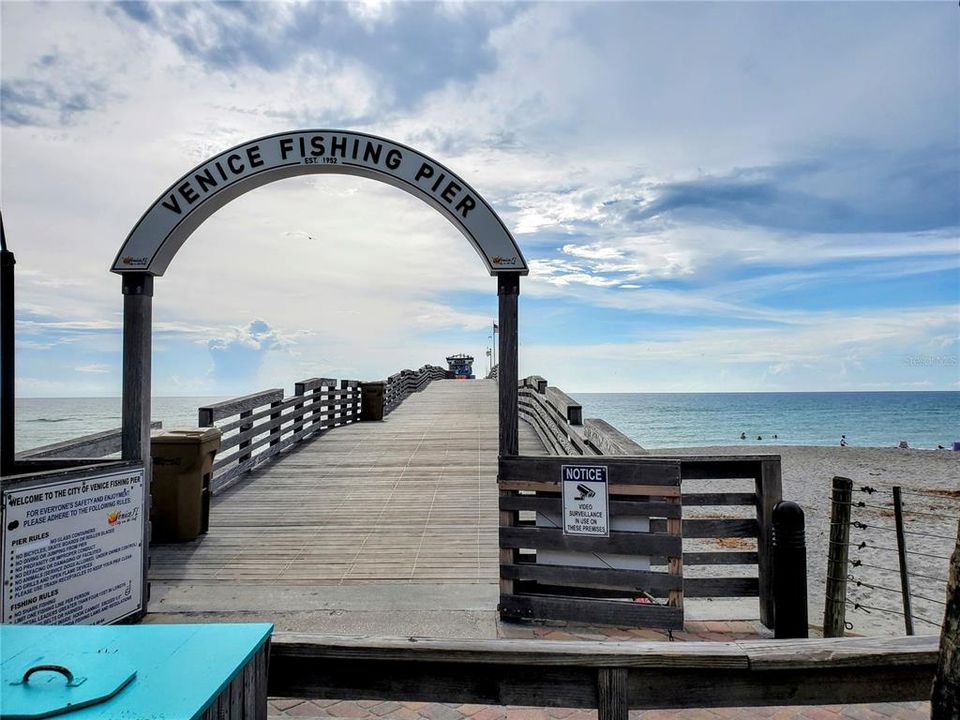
<point x="789" y="571"/>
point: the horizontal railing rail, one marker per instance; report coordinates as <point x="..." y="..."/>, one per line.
<point x="261" y="425"/>
<point x="613" y="677"/>
<point x="399" y="386"/>
<point x="558" y="421"/>
<point x="94" y="445"/>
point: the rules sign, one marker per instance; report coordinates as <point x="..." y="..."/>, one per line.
<point x="585" y="506"/>
<point x="73" y="550"/>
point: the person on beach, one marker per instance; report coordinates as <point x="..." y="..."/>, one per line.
<point x="843" y="441"/>
<point x="743" y="436"/>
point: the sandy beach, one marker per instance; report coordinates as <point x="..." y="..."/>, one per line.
<point x="931" y="483"/>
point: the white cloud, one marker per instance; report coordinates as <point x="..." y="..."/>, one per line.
<point x="96" y="368"/>
<point x="577" y="120"/>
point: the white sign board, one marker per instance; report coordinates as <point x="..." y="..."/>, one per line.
<point x="73" y="550"/>
<point x="585" y="500"/>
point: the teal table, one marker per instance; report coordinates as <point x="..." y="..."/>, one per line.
<point x="161" y="672"/>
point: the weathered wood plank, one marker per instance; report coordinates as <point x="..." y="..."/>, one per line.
<point x="552" y="674"/>
<point x="721" y="587"/>
<point x="710" y="499"/>
<point x="209" y="414"/>
<point x="653" y="582"/>
<point x="613" y="700"/>
<point x="554" y="486"/>
<point x="628" y="543"/>
<point x="620" y="470"/>
<point x="607" y="440"/>
<point x="720" y="558"/>
<point x="618" y="508"/>
<point x="711" y="528"/>
<point x="591" y="610"/>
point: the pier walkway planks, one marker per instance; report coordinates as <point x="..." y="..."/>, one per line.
<point x="388" y="522"/>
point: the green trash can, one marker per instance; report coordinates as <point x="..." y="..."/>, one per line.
<point x="180" y="491"/>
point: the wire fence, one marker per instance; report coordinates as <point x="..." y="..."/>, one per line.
<point x="889" y="554"/>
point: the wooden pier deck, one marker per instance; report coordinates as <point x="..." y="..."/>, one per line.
<point x="373" y="524"/>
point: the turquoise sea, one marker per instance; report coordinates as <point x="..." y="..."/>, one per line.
<point x="868" y="419"/>
<point x="655" y="420"/>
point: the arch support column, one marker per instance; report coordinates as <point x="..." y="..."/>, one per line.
<point x="135" y="430"/>
<point x="508" y="292"/>
<point x="137" y="333"/>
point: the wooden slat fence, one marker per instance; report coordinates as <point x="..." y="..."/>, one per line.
<point x="742" y="545"/>
<point x="401" y="385"/>
<point x="592" y="579"/>
<point x="260" y="426"/>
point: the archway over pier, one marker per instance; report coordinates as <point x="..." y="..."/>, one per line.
<point x="191" y="199"/>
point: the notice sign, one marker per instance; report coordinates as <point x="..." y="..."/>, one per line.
<point x="585" y="506"/>
<point x="73" y="550"/>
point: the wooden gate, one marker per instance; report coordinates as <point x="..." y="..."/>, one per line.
<point x="549" y="572"/>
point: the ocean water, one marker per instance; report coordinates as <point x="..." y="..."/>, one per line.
<point x="655" y="420"/>
<point x="41" y="421"/>
<point x="868" y="419"/>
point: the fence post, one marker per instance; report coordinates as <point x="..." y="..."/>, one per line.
<point x="612" y="694"/>
<point x="246" y="427"/>
<point x="789" y="571"/>
<point x="945" y="700"/>
<point x="902" y="556"/>
<point x="769" y="491"/>
<point x="834" y="606"/>
<point x="275" y="432"/>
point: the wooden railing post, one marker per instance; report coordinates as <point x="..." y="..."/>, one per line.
<point x="789" y="571"/>
<point x="298" y="412"/>
<point x="244" y="443"/>
<point x="613" y="702"/>
<point x="945" y="700"/>
<point x="834" y="606"/>
<point x="276" y="431"/>
<point x="769" y="492"/>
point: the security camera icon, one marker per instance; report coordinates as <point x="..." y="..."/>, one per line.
<point x="585" y="492"/>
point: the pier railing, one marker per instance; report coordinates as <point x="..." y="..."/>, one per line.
<point x="401" y="385"/>
<point x="261" y="425"/>
<point x="95" y="445"/>
<point x="715" y="533"/>
<point x="558" y="421"/>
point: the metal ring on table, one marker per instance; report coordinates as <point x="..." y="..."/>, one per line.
<point x="65" y="671"/>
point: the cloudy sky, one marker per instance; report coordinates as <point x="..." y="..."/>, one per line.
<point x="711" y="197"/>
